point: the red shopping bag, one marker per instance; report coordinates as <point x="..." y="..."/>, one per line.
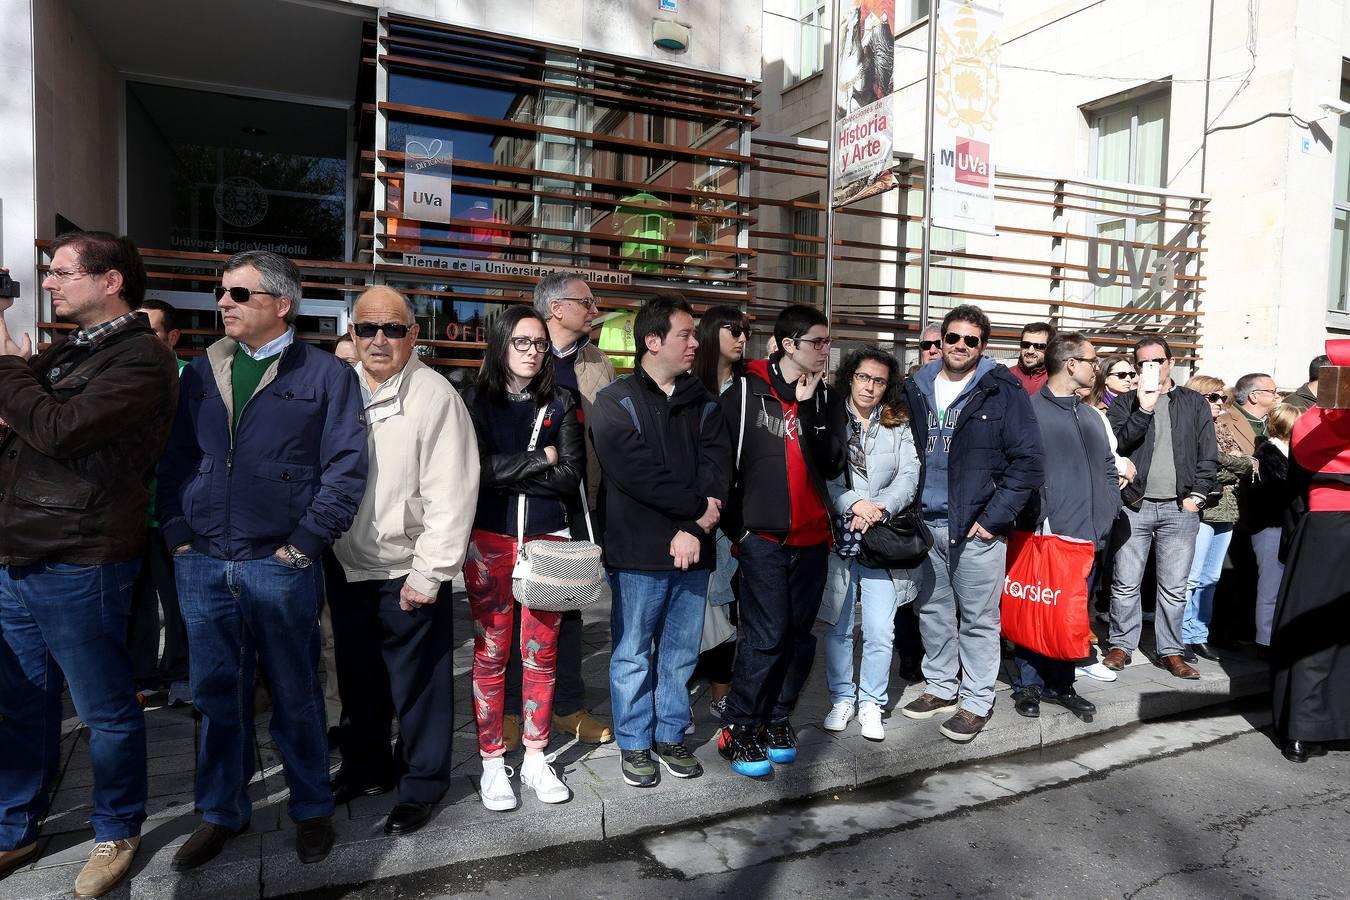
<point x="1045" y="594"/>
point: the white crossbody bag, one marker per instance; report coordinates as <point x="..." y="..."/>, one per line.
<point x="555" y="576"/>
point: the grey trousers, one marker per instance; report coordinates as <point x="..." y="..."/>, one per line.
<point x="1170" y="530"/>
<point x="960" y="586"/>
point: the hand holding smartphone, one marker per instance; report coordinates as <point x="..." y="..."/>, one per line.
<point x="1150" y="376"/>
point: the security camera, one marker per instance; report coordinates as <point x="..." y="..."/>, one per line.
<point x="1334" y="107"/>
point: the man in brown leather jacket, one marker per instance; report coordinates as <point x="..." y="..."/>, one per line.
<point x="88" y="419"/>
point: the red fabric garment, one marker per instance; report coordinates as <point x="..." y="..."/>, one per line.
<point x="810" y="521"/>
<point x="1032" y="383"/>
<point x="1321" y="443"/>
<point x="1044" y="606"/>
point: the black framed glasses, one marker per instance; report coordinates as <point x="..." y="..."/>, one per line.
<point x="737" y="329"/>
<point x="1126" y="374"/>
<point x="1216" y="398"/>
<point x="395" y="331"/>
<point x="969" y="340"/>
<point x="862" y="378"/>
<point x="821" y="343"/>
<point x="240" y="294"/>
<point x="1029" y="345"/>
<point x="929" y="345"/>
<point x="522" y="343"/>
<point x="584" y="301"/>
<point x="1085" y="359"/>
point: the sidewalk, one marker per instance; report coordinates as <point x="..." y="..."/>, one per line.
<point x="262" y="862"/>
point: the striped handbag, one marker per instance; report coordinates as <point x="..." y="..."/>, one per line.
<point x="555" y="576"/>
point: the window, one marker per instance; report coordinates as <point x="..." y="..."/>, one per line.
<point x="907" y="12"/>
<point x="805" y="223"/>
<point x="1340" y="211"/>
<point x="813" y="24"/>
<point x="1129" y="146"/>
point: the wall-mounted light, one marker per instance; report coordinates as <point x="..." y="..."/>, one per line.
<point x="670" y="35"/>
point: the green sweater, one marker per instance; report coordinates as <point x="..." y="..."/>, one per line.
<point x="245" y="374"/>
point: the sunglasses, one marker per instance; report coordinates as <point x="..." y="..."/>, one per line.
<point x="1123" y="374"/>
<point x="1216" y="398"/>
<point x="395" y="331"/>
<point x="1029" y="345"/>
<point x="521" y="344"/>
<point x="737" y="330"/>
<point x="970" y="340"/>
<point x="240" y="294"/>
<point x="929" y="345"/>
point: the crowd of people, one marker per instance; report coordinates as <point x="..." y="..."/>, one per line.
<point x="268" y="487"/>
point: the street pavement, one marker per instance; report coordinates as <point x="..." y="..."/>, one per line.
<point x="603" y="809"/>
<point x="1195" y="807"/>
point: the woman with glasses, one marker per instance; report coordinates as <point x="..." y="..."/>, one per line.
<point x="723" y="334"/>
<point x="881" y="479"/>
<point x="1217" y="518"/>
<point x="530" y="442"/>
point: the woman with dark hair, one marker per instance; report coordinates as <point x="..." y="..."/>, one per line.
<point x="1115" y="376"/>
<point x="722" y="334"/>
<point x="531" y="443"/>
<point x="880" y="480"/>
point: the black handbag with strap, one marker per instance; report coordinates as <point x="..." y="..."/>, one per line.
<point x="901" y="541"/>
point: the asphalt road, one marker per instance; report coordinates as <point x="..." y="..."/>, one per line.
<point x="1194" y="808"/>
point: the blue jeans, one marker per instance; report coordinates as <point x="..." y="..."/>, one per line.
<point x="240" y="613"/>
<point x="879" y="603"/>
<point x="68" y="624"/>
<point x="658" y="613"/>
<point x="1211" y="548"/>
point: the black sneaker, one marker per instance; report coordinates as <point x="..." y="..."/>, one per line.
<point x="639" y="769"/>
<point x="1083" y="709"/>
<point x="741" y="745"/>
<point x="678" y="760"/>
<point x="782" y="741"/>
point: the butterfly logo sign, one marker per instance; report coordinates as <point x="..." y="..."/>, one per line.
<point x="424" y="152"/>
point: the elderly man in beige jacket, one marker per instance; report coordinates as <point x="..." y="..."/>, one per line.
<point x="392" y="616"/>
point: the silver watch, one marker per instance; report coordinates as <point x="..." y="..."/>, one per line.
<point x="295" y="557"/>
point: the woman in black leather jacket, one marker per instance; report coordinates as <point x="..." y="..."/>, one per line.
<point x="514" y="396"/>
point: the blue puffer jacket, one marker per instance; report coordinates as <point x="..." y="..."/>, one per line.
<point x="994" y="464"/>
<point x="293" y="474"/>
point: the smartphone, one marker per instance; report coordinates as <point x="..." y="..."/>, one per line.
<point x="1149" y="373"/>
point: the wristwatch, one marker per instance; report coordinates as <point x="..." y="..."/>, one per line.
<point x="295" y="557"/>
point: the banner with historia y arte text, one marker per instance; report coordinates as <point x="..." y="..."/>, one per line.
<point x="864" y="127"/>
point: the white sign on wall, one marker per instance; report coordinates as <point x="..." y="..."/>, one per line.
<point x="426" y="179"/>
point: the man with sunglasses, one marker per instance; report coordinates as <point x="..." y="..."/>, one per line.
<point x="777" y="515"/>
<point x="88" y="418"/>
<point x="930" y="345"/>
<point x="1167" y="431"/>
<point x="265" y="468"/>
<point x="566" y="303"/>
<point x="973" y="422"/>
<point x="1030" y="366"/>
<point x="391" y="605"/>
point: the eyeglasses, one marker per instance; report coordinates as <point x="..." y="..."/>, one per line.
<point x="1028" y="345"/>
<point x="818" y="343"/>
<point x="862" y="378"/>
<point x="1262" y="391"/>
<point x="523" y="343"/>
<point x="584" y="301"/>
<point x="1157" y="359"/>
<point x="1085" y="359"/>
<point x="240" y="294"/>
<point x="1216" y="398"/>
<point x="970" y="340"/>
<point x="64" y="275"/>
<point x="395" y="331"/>
<point x="1123" y="374"/>
<point x="737" y="329"/>
<point x="929" y="345"/>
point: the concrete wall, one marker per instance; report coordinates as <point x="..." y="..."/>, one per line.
<point x="725" y="33"/>
<point x="1268" y="243"/>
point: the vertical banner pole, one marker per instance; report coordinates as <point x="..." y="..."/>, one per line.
<point x="832" y="149"/>
<point x="927" y="221"/>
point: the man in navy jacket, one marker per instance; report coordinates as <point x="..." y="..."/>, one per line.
<point x="973" y="423"/>
<point x="265" y="467"/>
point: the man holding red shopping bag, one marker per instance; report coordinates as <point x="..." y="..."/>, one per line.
<point x="1046" y="592"/>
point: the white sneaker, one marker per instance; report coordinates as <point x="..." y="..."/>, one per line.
<point x="495" y="785"/>
<point x="837" y="718"/>
<point x="1097" y="671"/>
<point x="869" y="722"/>
<point x="538" y="775"/>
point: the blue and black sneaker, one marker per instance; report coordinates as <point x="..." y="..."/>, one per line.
<point x="782" y="741"/>
<point x="741" y="745"/>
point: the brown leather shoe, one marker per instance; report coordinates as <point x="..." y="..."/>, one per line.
<point x="1177" y="666"/>
<point x="1116" y="659"/>
<point x="511" y="732"/>
<point x="586" y="727"/>
<point x="108" y="865"/>
<point x="19" y="856"/>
